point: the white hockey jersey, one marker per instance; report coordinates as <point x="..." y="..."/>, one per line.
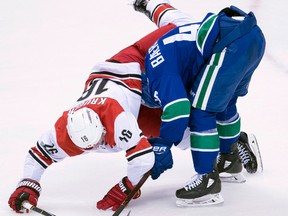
<point x="113" y="91"/>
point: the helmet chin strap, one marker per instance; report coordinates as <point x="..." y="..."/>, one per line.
<point x="100" y="142"/>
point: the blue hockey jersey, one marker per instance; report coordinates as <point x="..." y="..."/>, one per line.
<point x="176" y="64"/>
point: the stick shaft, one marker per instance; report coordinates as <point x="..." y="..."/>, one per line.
<point x="27" y="205"/>
<point x="132" y="193"/>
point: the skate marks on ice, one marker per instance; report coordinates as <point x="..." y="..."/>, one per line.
<point x="208" y="200"/>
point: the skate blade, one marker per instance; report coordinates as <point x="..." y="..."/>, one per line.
<point x="256" y="150"/>
<point x="208" y="200"/>
<point x="232" y="178"/>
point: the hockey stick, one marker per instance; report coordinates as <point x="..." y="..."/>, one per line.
<point x="28" y="206"/>
<point x="132" y="193"/>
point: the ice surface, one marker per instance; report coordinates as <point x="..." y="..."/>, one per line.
<point x="47" y="49"/>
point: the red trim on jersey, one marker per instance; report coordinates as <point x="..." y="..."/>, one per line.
<point x="40" y="156"/>
<point x="63" y="138"/>
<point x="107" y="111"/>
<point x="159" y="11"/>
<point x="130" y="82"/>
<point x="142" y="147"/>
<point x="137" y="51"/>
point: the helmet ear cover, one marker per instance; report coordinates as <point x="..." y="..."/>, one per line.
<point x="84" y="127"/>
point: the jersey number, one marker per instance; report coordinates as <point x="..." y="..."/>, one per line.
<point x="126" y="135"/>
<point x="50" y="148"/>
<point x="96" y="87"/>
<point x="186" y="33"/>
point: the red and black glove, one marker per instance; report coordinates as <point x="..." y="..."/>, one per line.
<point x="27" y="190"/>
<point x="116" y="195"/>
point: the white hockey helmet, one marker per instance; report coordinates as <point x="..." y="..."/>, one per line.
<point x="84" y="127"/>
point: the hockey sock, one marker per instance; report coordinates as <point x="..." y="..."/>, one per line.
<point x="229" y="132"/>
<point x="204" y="149"/>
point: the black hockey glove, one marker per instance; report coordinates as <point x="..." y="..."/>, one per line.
<point x="140" y="6"/>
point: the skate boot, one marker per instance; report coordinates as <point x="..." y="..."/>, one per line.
<point x="249" y="153"/>
<point x="201" y="190"/>
<point x="230" y="166"/>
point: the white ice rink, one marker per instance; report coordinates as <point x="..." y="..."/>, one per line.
<point x="47" y="49"/>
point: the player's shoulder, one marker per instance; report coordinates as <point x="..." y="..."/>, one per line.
<point x="126" y="120"/>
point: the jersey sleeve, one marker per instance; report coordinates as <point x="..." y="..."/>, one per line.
<point x="170" y="92"/>
<point x="137" y="51"/>
<point x="139" y="152"/>
<point x="167" y="88"/>
<point x="42" y="155"/>
<point x="162" y="13"/>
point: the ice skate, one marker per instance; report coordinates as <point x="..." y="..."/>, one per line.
<point x="230" y="166"/>
<point x="202" y="190"/>
<point x="249" y="153"/>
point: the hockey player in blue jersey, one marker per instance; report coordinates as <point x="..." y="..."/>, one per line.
<point x="195" y="74"/>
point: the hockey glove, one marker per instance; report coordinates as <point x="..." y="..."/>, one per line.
<point x="27" y="190"/>
<point x="116" y="195"/>
<point x="140" y="6"/>
<point x="163" y="157"/>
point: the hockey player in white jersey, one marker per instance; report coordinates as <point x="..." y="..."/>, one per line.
<point x="102" y="120"/>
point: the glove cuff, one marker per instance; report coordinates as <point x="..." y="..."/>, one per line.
<point x="159" y="140"/>
<point x="128" y="187"/>
<point x="32" y="184"/>
<point x="125" y="185"/>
